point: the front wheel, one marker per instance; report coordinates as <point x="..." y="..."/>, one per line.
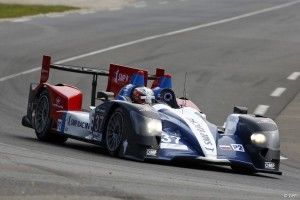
<point x="42" y="120"/>
<point x="116" y="132"/>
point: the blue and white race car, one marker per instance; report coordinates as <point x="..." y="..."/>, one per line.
<point x="139" y="122"/>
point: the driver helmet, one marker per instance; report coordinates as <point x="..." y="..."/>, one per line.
<point x="142" y="95"/>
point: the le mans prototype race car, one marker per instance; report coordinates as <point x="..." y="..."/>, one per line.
<point x="165" y="128"/>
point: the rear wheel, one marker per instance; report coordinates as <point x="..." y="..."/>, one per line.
<point x="42" y="120"/>
<point x="116" y="132"/>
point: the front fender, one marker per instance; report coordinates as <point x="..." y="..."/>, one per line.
<point x="264" y="154"/>
<point x="143" y="119"/>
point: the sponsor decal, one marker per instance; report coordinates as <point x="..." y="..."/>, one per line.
<point x="151" y="152"/>
<point x="203" y="134"/>
<point x="269" y="165"/>
<point x="238" y="147"/>
<point x="58" y="103"/>
<point x="225" y="147"/>
<point x="78" y="123"/>
<point x="119" y="77"/>
<point x="146" y="108"/>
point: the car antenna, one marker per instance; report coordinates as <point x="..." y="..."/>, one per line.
<point x="184" y="89"/>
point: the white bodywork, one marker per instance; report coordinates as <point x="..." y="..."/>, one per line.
<point x="75" y="123"/>
<point x="198" y="125"/>
<point x="79" y="124"/>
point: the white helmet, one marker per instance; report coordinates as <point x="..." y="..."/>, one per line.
<point x="142" y="95"/>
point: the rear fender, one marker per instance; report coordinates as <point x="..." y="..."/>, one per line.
<point x="63" y="97"/>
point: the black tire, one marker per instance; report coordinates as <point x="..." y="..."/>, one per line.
<point x="42" y="120"/>
<point x="242" y="170"/>
<point x="116" y="132"/>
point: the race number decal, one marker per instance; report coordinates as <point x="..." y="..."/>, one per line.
<point x="238" y="147"/>
<point x="169" y="139"/>
<point x="171" y="142"/>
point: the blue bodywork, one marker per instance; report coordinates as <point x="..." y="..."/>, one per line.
<point x="175" y="128"/>
<point x="179" y="141"/>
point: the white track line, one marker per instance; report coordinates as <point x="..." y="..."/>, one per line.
<point x="261" y="110"/>
<point x="18" y="74"/>
<point x="161" y="36"/>
<point x="277" y="92"/>
<point x="293" y="76"/>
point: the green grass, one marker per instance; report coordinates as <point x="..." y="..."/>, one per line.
<point x="17" y="10"/>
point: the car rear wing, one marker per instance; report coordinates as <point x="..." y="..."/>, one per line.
<point x="114" y="84"/>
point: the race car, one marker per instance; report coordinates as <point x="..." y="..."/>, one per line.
<point x="138" y="122"/>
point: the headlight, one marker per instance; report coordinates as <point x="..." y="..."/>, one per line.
<point x="146" y="126"/>
<point x="258" y="138"/>
<point x="154" y="125"/>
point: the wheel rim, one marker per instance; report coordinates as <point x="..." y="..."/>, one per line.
<point x="114" y="132"/>
<point x="41" y="115"/>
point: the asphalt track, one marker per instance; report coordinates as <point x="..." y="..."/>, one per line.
<point x="238" y="62"/>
